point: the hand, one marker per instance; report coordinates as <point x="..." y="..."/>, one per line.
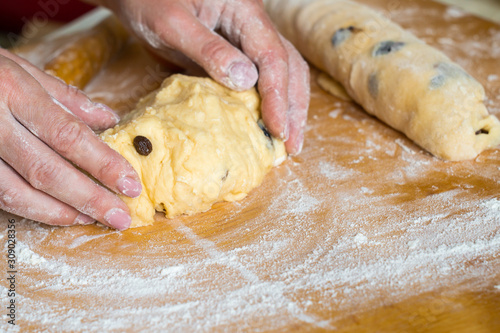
<point x="43" y="127"/>
<point x="231" y="40"/>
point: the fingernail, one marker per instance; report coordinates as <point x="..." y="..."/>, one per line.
<point x="243" y="75"/>
<point x="114" y="116"/>
<point x="129" y="187"/>
<point x="299" y="143"/>
<point x="118" y="218"/>
<point x="285" y="133"/>
<point x="83" y="219"/>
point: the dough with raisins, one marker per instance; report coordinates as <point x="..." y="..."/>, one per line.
<point x="193" y="143"/>
<point x="396" y="77"/>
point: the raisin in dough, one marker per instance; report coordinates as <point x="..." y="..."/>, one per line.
<point x="409" y="85"/>
<point x="206" y="144"/>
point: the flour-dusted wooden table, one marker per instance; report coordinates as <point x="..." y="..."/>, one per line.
<point x="362" y="232"/>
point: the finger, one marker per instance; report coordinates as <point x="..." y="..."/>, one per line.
<point x="49" y="173"/>
<point x="299" y="95"/>
<point x="20" y="198"/>
<point x="259" y="40"/>
<point x="222" y="61"/>
<point x="69" y="137"/>
<point x="98" y="116"/>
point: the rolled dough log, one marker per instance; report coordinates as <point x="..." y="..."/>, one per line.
<point x="409" y="85"/>
<point x="193" y="143"/>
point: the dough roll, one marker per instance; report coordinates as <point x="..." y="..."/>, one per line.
<point x="396" y="77"/>
<point x="83" y="58"/>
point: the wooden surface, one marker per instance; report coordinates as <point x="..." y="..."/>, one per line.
<point x="362" y="232"/>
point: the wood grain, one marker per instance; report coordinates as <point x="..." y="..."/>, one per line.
<point x="363" y="232"/>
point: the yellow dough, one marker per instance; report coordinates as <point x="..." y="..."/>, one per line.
<point x="208" y="145"/>
<point x="332" y="87"/>
<point x="409" y="85"/>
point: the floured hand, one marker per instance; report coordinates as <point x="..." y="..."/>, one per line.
<point x="46" y="124"/>
<point x="236" y="44"/>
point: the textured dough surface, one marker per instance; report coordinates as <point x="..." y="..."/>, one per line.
<point x="332" y="87"/>
<point x="409" y="85"/>
<point x="208" y="146"/>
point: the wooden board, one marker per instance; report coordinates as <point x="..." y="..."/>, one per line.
<point x="362" y="232"/>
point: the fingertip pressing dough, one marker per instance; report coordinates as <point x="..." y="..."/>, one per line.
<point x="396" y="77"/>
<point x="193" y="143"/>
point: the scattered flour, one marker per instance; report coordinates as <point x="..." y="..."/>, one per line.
<point x="82" y="240"/>
<point x="290" y="268"/>
<point x="402" y="144"/>
<point x="455" y="12"/>
<point x="333" y="171"/>
<point x="335" y="113"/>
<point x="493" y="77"/>
<point x="360" y="238"/>
<point x="26" y="256"/>
<point x="365" y="235"/>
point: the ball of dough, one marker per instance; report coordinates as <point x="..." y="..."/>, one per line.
<point x="193" y="143"/>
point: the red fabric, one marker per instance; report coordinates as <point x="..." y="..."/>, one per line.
<point x="15" y="13"/>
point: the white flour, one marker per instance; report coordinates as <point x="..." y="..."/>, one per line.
<point x="353" y="257"/>
<point x="367" y="234"/>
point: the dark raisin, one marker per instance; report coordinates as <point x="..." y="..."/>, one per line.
<point x="387" y="47"/>
<point x="445" y="71"/>
<point x="482" y="131"/>
<point x="373" y="85"/>
<point x="264" y="129"/>
<point x="342" y="34"/>
<point x="437" y="81"/>
<point x="142" y="145"/>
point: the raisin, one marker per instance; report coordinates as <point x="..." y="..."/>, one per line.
<point x="445" y="71"/>
<point x="373" y="85"/>
<point x="387" y="47"/>
<point x="482" y="131"/>
<point x="225" y="176"/>
<point x="437" y="81"/>
<point x="264" y="129"/>
<point x="142" y="145"/>
<point x="342" y="34"/>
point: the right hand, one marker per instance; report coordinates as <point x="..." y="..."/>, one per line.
<point x="44" y="125"/>
<point x="237" y="45"/>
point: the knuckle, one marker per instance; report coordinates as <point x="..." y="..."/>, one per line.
<point x="97" y="204"/>
<point x="177" y="18"/>
<point x="43" y="174"/>
<point x="71" y="92"/>
<point x="275" y="56"/>
<point x="6" y="121"/>
<point x="214" y="49"/>
<point x="175" y="10"/>
<point x="9" y="198"/>
<point x="108" y="166"/>
<point x="252" y="9"/>
<point x="93" y="202"/>
<point x="8" y="82"/>
<point x="69" y="136"/>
